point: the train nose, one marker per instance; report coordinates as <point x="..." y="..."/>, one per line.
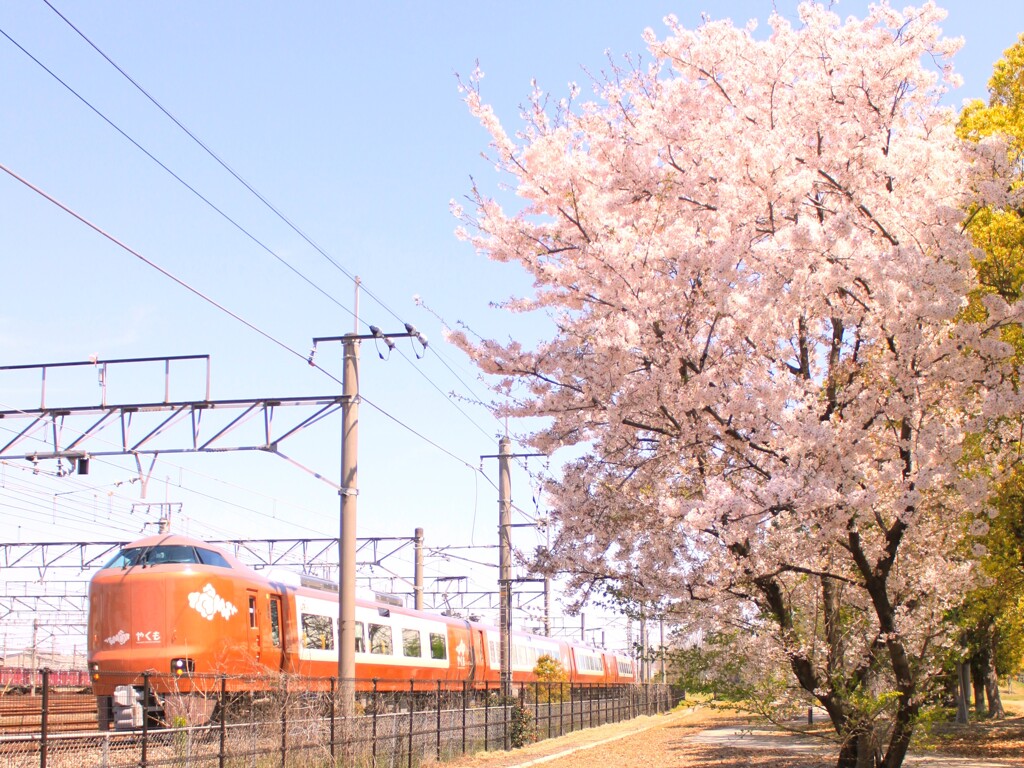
<point x="127" y="613"/>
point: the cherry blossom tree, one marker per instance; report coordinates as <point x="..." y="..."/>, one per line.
<point x="993" y="613"/>
<point x="751" y="252"/>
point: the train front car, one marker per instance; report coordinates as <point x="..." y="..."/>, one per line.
<point x="176" y="611"/>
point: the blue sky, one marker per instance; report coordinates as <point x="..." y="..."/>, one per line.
<point x="346" y="116"/>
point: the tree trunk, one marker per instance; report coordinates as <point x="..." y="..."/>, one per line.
<point x="978" y="682"/>
<point x="865" y="750"/>
<point x="963" y="698"/>
<point x="902" y="730"/>
<point x="849" y="756"/>
<point x="995" y="703"/>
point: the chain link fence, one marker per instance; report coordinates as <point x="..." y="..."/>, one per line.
<point x="283" y="721"/>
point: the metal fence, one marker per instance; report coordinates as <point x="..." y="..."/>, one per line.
<point x="285" y="721"/>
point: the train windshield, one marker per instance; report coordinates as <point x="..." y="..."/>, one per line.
<point x="166" y="554"/>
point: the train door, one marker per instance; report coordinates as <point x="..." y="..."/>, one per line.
<point x="273" y="637"/>
<point x="253" y="650"/>
<point x="464" y="652"/>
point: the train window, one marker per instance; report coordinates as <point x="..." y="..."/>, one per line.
<point x="518" y="654"/>
<point x="252" y="610"/>
<point x="165" y="555"/>
<point x="209" y="557"/>
<point x="411" y="643"/>
<point x="360" y="638"/>
<point x="438" y="646"/>
<point x="380" y="639"/>
<point x="275" y="621"/>
<point x="317" y="632"/>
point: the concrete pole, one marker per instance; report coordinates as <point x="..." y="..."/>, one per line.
<point x="505" y="561"/>
<point x="417" y="579"/>
<point x="661" y="647"/>
<point x="644" y="677"/>
<point x="547" y="606"/>
<point x="32" y="671"/>
<point x="347" y="530"/>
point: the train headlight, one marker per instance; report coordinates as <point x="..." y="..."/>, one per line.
<point x="182" y="667"/>
<point x="94" y="671"/>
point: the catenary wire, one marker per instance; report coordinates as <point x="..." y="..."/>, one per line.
<point x="248" y="234"/>
<point x="178" y="178"/>
<point x="219" y="306"/>
<point x="228" y="218"/>
<point x="155" y="266"/>
<point x="220" y="161"/>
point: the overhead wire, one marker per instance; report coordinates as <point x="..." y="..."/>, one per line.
<point x="185" y="488"/>
<point x="222" y="308"/>
<point x="178" y="178"/>
<point x="154" y="265"/>
<point x="252" y="237"/>
<point x="224" y="215"/>
<point x="77" y="509"/>
<point x="262" y="198"/>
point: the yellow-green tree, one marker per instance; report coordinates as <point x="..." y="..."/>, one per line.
<point x="993" y="615"/>
<point x="551" y="679"/>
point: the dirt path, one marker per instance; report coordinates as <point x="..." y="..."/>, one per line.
<point x="687" y="739"/>
<point x="661" y="741"/>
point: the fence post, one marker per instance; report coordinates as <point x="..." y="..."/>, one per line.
<point x="223" y="720"/>
<point x="536" y="704"/>
<point x="284" y="720"/>
<point x="143" y="760"/>
<point x="561" y="708"/>
<point x="412" y="715"/>
<point x="572" y="708"/>
<point x="487" y="714"/>
<point x="44" y="717"/>
<point x="376" y="706"/>
<point x="465" y="686"/>
<point x="438" y="703"/>
<point x="334" y="713"/>
<point x="507" y="742"/>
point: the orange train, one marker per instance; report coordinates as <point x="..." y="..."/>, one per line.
<point x="183" y="610"/>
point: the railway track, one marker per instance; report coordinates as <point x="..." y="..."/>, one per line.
<point x="23" y="714"/>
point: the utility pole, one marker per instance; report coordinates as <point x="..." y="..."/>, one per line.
<point x="417" y="580"/>
<point x="643" y="648"/>
<point x="661" y="647"/>
<point x="347" y="527"/>
<point x="505" y="561"/>
<point x="504" y="457"/>
<point x="547" y="606"/>
<point x="32" y="671"/>
<point x="349" y="492"/>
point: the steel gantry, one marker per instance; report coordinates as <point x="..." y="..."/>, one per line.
<point x="76" y="433"/>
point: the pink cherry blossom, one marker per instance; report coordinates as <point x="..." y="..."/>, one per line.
<point x="753" y="254"/>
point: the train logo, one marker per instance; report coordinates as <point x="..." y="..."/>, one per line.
<point x="120" y="638"/>
<point x="208" y="604"/>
